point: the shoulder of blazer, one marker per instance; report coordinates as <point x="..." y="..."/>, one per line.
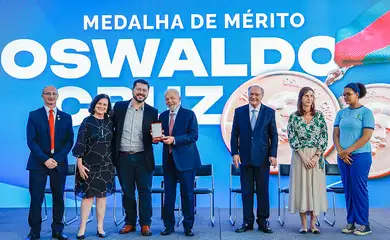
<point x="150" y="108"/>
<point x="38" y="113"/>
<point x="185" y="110"/>
<point x="242" y="108"/>
<point x="268" y="109"/>
<point x="122" y="104"/>
<point x="164" y="114"/>
<point x="120" y="107"/>
<point x="35" y="112"/>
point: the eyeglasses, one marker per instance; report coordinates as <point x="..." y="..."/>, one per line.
<point x="48" y="94"/>
<point x="348" y="94"/>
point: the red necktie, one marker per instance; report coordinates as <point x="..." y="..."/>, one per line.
<point x="51" y="125"/>
<point x="171" y="123"/>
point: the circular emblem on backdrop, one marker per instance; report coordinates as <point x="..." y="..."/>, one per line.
<point x="281" y="93"/>
<point x="378" y="100"/>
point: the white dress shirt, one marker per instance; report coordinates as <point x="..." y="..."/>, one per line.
<point x="54" y="113"/>
<point x="256" y="113"/>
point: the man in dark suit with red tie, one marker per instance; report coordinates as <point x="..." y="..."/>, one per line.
<point x="254" y="144"/>
<point x="50" y="139"/>
<point x="180" y="161"/>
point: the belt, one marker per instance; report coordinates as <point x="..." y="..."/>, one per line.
<point x="130" y="152"/>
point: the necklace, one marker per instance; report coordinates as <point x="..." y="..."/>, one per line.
<point x="100" y="125"/>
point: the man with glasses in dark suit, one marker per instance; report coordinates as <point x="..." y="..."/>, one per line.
<point x="50" y="139"/>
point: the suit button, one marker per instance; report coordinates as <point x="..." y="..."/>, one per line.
<point x="252" y="138"/>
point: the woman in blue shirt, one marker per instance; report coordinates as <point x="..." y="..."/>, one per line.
<point x="353" y="128"/>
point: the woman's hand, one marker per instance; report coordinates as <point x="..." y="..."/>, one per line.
<point x="314" y="160"/>
<point x="307" y="162"/>
<point x="348" y="160"/>
<point x="344" y="153"/>
<point x="82" y="169"/>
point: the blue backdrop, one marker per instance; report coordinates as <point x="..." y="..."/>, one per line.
<point x="185" y="58"/>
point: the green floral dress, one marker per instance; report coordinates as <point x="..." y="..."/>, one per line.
<point x="308" y="135"/>
<point x="307" y="186"/>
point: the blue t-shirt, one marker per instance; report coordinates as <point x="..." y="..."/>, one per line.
<point x="351" y="123"/>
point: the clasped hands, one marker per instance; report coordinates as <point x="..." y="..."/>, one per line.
<point x="310" y="163"/>
<point x="51" y="163"/>
<point x="345" y="155"/>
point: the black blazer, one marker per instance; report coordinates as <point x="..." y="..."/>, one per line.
<point x="118" y="118"/>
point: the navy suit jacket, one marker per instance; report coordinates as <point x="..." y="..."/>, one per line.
<point x="254" y="147"/>
<point x="185" y="130"/>
<point x="118" y="118"/>
<point x="38" y="139"/>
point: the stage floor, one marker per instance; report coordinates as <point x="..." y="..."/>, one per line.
<point x="14" y="226"/>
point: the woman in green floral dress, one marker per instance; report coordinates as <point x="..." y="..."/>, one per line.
<point x="308" y="137"/>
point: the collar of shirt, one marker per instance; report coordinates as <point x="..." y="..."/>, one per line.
<point x="48" y="109"/>
<point x="257" y="108"/>
<point x="141" y="108"/>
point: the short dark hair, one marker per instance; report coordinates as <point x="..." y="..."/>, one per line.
<point x="302" y="93"/>
<point x="96" y="100"/>
<point x="141" y="81"/>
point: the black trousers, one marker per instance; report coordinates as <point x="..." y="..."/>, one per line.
<point x="186" y="180"/>
<point x="249" y="175"/>
<point x="37" y="184"/>
<point x="133" y="173"/>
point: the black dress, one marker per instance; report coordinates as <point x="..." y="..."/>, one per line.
<point x="94" y="147"/>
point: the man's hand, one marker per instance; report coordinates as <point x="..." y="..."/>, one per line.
<point x="236" y="160"/>
<point x="169" y="140"/>
<point x="51" y="163"/>
<point x="273" y="162"/>
<point x="157" y="139"/>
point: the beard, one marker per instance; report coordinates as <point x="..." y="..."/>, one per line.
<point x="138" y="100"/>
<point x="172" y="108"/>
